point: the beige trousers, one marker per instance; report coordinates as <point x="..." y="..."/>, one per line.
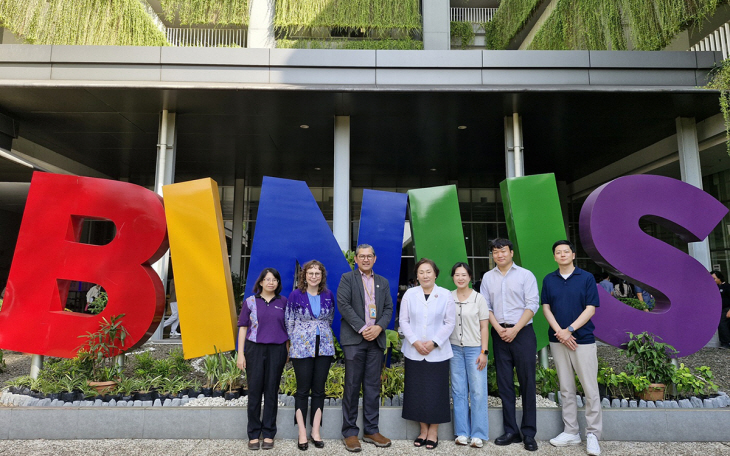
<point x="584" y="361"/>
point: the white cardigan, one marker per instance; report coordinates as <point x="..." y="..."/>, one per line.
<point x="427" y="320"/>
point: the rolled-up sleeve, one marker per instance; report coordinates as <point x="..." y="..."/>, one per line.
<point x="532" y="296"/>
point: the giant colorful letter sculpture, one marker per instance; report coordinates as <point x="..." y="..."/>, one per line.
<point x="610" y="233"/>
<point x="48" y="256"/>
<point x="437" y="231"/>
<point x="534" y="223"/>
<point x="199" y="256"/>
<point x="290" y="228"/>
<point x="382" y="218"/>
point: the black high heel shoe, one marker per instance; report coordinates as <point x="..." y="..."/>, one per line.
<point x="303" y="446"/>
<point x="317" y="443"/>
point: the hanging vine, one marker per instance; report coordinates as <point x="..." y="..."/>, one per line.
<point x="509" y="19"/>
<point x="203" y="12"/>
<point x="720" y="80"/>
<point x="598" y="24"/>
<point x="464" y="31"/>
<point x="582" y="24"/>
<point x="80" y="22"/>
<point x="378" y="16"/>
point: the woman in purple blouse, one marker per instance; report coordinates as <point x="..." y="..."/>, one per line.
<point x="309" y="314"/>
<point x="263" y="329"/>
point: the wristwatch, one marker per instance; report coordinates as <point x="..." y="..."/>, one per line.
<point x="570" y="328"/>
<point x="435" y="344"/>
<point x="485" y="352"/>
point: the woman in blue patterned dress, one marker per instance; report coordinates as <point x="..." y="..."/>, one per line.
<point x="309" y="314"/>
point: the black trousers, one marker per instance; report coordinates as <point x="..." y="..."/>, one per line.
<point x="723" y="330"/>
<point x="311" y="376"/>
<point x="363" y="366"/>
<point x="264" y="365"/>
<point x="518" y="355"/>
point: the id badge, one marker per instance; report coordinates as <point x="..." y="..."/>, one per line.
<point x="373" y="311"/>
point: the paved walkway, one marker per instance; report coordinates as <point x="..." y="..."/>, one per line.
<point x="333" y="448"/>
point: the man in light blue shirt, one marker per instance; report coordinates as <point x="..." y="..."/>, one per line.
<point x="605" y="283"/>
<point x="512" y="298"/>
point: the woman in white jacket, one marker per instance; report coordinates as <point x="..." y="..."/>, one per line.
<point x="427" y="317"/>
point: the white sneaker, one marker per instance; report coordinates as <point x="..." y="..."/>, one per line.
<point x="462" y="440"/>
<point x="592" y="446"/>
<point x="565" y="439"/>
<point x="476" y="442"/>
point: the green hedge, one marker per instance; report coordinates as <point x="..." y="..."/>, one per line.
<point x="80" y="22"/>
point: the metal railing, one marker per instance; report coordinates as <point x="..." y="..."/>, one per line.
<point x="715" y="41"/>
<point x="473" y="15"/>
<point x="206" y="37"/>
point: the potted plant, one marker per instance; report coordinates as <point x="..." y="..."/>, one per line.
<point x="693" y="384"/>
<point x="69" y="387"/>
<point x="651" y="359"/>
<point x="99" y="349"/>
<point x="211" y="369"/>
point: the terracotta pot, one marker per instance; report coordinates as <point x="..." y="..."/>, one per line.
<point x="655" y="392"/>
<point x="103" y="387"/>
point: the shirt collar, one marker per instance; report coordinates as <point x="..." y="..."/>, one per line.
<point x="366" y="275"/>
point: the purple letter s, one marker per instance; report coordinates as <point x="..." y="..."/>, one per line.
<point x="610" y="234"/>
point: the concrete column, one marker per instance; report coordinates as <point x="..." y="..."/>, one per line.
<point x="513" y="146"/>
<point x="261" y="24"/>
<point x="164" y="175"/>
<point x="341" y="190"/>
<point x="509" y="147"/>
<point x="691" y="172"/>
<point x="237" y="234"/>
<point x="436" y="25"/>
<point x="517" y="140"/>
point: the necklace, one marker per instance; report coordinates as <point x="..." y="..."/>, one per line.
<point x="463" y="296"/>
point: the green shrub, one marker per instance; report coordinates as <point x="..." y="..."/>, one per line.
<point x="464" y="31"/>
<point x="635" y="303"/>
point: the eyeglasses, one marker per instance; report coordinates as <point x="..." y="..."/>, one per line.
<point x="314" y="274"/>
<point x="270" y="280"/>
<point x="365" y="257"/>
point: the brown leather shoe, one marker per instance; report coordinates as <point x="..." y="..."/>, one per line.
<point x="376" y="439"/>
<point x="352" y="444"/>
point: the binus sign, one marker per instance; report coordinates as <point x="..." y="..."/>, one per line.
<point x="290" y="228"/>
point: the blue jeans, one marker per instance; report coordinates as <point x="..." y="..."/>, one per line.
<point x="468" y="382"/>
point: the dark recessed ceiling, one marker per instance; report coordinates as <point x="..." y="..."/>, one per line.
<point x="397" y="138"/>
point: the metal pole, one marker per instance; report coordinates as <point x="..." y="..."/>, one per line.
<point x="120" y="360"/>
<point x="36" y="364"/>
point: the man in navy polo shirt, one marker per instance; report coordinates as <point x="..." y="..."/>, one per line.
<point x="569" y="300"/>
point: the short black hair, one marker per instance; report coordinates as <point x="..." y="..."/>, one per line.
<point x="461" y="264"/>
<point x="563" y="242"/>
<point x="719" y="275"/>
<point x="426" y="261"/>
<point x="496" y="244"/>
<point x="262" y="276"/>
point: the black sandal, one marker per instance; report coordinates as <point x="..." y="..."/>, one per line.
<point x="432" y="444"/>
<point x="418" y="443"/>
